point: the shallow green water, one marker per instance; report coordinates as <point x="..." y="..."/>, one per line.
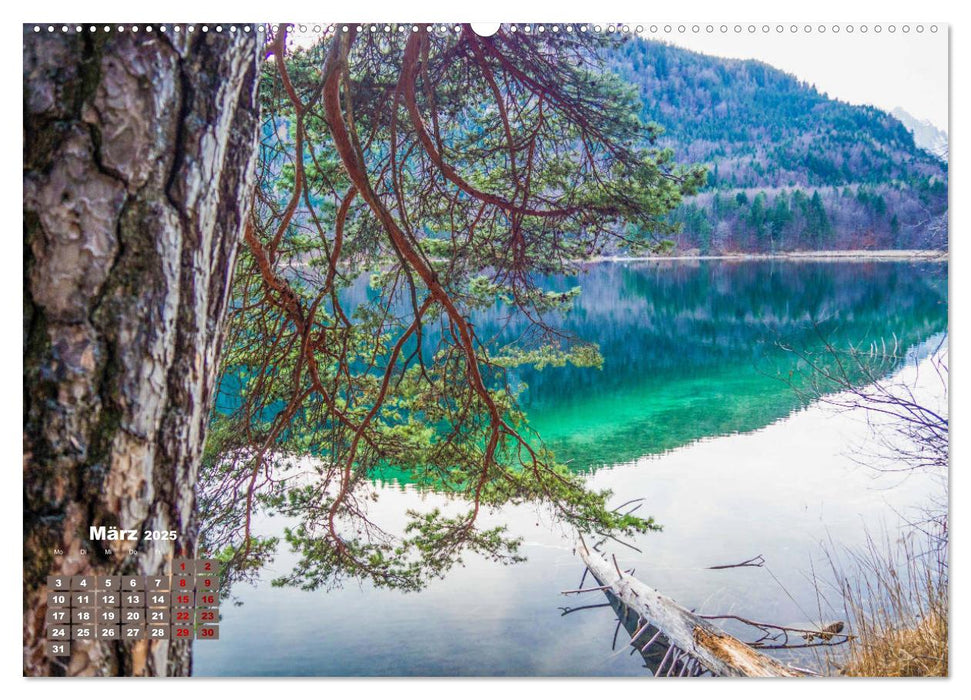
<point x="693" y="350"/>
<point x="689" y="412"/>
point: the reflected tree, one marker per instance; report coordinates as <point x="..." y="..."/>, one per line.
<point x="909" y="425"/>
<point x="911" y="430"/>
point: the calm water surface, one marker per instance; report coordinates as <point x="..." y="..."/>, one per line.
<point x="688" y="412"/>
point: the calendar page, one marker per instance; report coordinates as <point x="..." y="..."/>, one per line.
<point x="515" y="349"/>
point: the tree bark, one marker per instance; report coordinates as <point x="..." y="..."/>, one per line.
<point x="139" y="157"/>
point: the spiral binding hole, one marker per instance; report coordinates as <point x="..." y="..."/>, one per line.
<point x="530" y="29"/>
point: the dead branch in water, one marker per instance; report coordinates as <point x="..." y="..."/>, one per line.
<point x="780" y="633"/>
<point x="757" y="560"/>
<point x="694" y="642"/>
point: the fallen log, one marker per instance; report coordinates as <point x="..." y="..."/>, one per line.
<point x="713" y="648"/>
<point x="647" y="639"/>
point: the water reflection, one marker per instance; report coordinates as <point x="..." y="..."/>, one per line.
<point x="691" y="350"/>
<point x="689" y="353"/>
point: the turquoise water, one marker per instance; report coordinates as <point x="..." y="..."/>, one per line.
<point x="694" y="350"/>
<point x="690" y="412"/>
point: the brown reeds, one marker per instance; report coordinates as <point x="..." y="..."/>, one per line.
<point x="896" y="595"/>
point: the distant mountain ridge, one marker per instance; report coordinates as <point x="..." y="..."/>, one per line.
<point x="926" y="135"/>
<point x="789" y="168"/>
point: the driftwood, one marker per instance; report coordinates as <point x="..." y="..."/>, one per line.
<point x="653" y="646"/>
<point x="687" y="633"/>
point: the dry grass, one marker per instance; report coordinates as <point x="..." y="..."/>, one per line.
<point x="915" y="651"/>
<point x="897" y="601"/>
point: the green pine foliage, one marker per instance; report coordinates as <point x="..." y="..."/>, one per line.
<point x="448" y="173"/>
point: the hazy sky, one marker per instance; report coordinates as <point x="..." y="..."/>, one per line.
<point x="885" y="69"/>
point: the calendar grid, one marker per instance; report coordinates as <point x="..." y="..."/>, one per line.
<point x="181" y="604"/>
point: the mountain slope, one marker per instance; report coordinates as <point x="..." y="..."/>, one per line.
<point x="789" y="168"/>
<point x="926" y="135"/>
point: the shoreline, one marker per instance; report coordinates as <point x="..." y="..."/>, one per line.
<point x="808" y="256"/>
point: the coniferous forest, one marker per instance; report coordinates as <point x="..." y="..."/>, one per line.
<point x="788" y="167"/>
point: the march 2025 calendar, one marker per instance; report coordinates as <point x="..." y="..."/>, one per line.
<point x="182" y="604"/>
<point x="516" y="349"/>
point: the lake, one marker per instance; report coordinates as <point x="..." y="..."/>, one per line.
<point x="695" y="411"/>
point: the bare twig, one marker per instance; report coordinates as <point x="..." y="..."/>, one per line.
<point x="757" y="560"/>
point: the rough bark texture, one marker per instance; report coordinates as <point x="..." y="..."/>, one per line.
<point x="139" y="152"/>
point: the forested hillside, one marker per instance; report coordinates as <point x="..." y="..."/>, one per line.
<point x="789" y="168"/>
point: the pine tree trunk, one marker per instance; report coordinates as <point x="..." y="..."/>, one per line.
<point x="139" y="159"/>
